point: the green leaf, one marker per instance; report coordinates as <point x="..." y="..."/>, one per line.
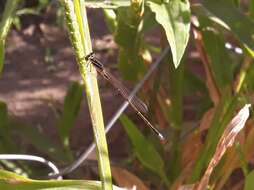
<point x="110" y="19"/>
<point x="249" y="181"/>
<point x="241" y="25"/>
<point x="2" y="52"/>
<point x="176" y="95"/>
<point x="76" y="17"/>
<point x="130" y="71"/>
<point x="149" y="20"/>
<point x="251" y="9"/>
<point x="129" y="37"/>
<point x="32" y="135"/>
<point x="72" y="103"/>
<point x="220" y="60"/>
<point x="249" y="75"/>
<point x="144" y="149"/>
<point x="175" y="114"/>
<point x="10" y="181"/>
<point x="10" y="175"/>
<point x="27" y="11"/>
<point x="193" y="83"/>
<point x="126" y="32"/>
<point x="112" y="4"/>
<point x="174" y="17"/>
<point x="5" y="24"/>
<point x="6" y="141"/>
<point x="3" y="115"/>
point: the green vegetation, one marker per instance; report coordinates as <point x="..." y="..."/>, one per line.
<point x="196" y="91"/>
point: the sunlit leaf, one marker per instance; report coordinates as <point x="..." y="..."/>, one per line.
<point x="174" y="17"/>
<point x="110" y="19"/>
<point x="10" y="181"/>
<point x="5" y="24"/>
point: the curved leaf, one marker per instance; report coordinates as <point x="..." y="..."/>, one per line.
<point x="174" y="17"/>
<point x="9" y="180"/>
<point x="144" y="150"/>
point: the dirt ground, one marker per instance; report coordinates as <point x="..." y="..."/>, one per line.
<point x="34" y="88"/>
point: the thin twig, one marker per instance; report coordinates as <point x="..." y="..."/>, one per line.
<point x="27" y="157"/>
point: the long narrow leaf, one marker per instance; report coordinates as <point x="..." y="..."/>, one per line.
<point x="76" y="20"/>
<point x="71" y="108"/>
<point x="144" y="149"/>
<point x="220" y="60"/>
<point x="10" y="181"/>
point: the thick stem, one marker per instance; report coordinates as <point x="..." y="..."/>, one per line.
<point x="80" y="37"/>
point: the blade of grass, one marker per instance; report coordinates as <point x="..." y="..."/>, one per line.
<point x="144" y="149"/>
<point x="224" y="111"/>
<point x="32" y="135"/>
<point x="71" y="108"/>
<point x="80" y="37"/>
<point x="9" y="180"/>
<point x="98" y="127"/>
<point x="5" y="25"/>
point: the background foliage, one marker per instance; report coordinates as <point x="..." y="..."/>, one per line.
<point x="191" y="98"/>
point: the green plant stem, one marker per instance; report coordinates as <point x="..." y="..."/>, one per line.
<point x="5" y="25"/>
<point x="79" y="34"/>
<point x="175" y="116"/>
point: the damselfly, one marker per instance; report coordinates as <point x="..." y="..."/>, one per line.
<point x="138" y="105"/>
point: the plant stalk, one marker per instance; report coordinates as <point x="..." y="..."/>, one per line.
<point x="77" y="24"/>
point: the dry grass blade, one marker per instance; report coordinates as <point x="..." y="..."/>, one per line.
<point x="227" y="139"/>
<point x="125" y="179"/>
<point x="187" y="187"/>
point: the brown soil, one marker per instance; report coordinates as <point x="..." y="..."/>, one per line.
<point x="33" y="88"/>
